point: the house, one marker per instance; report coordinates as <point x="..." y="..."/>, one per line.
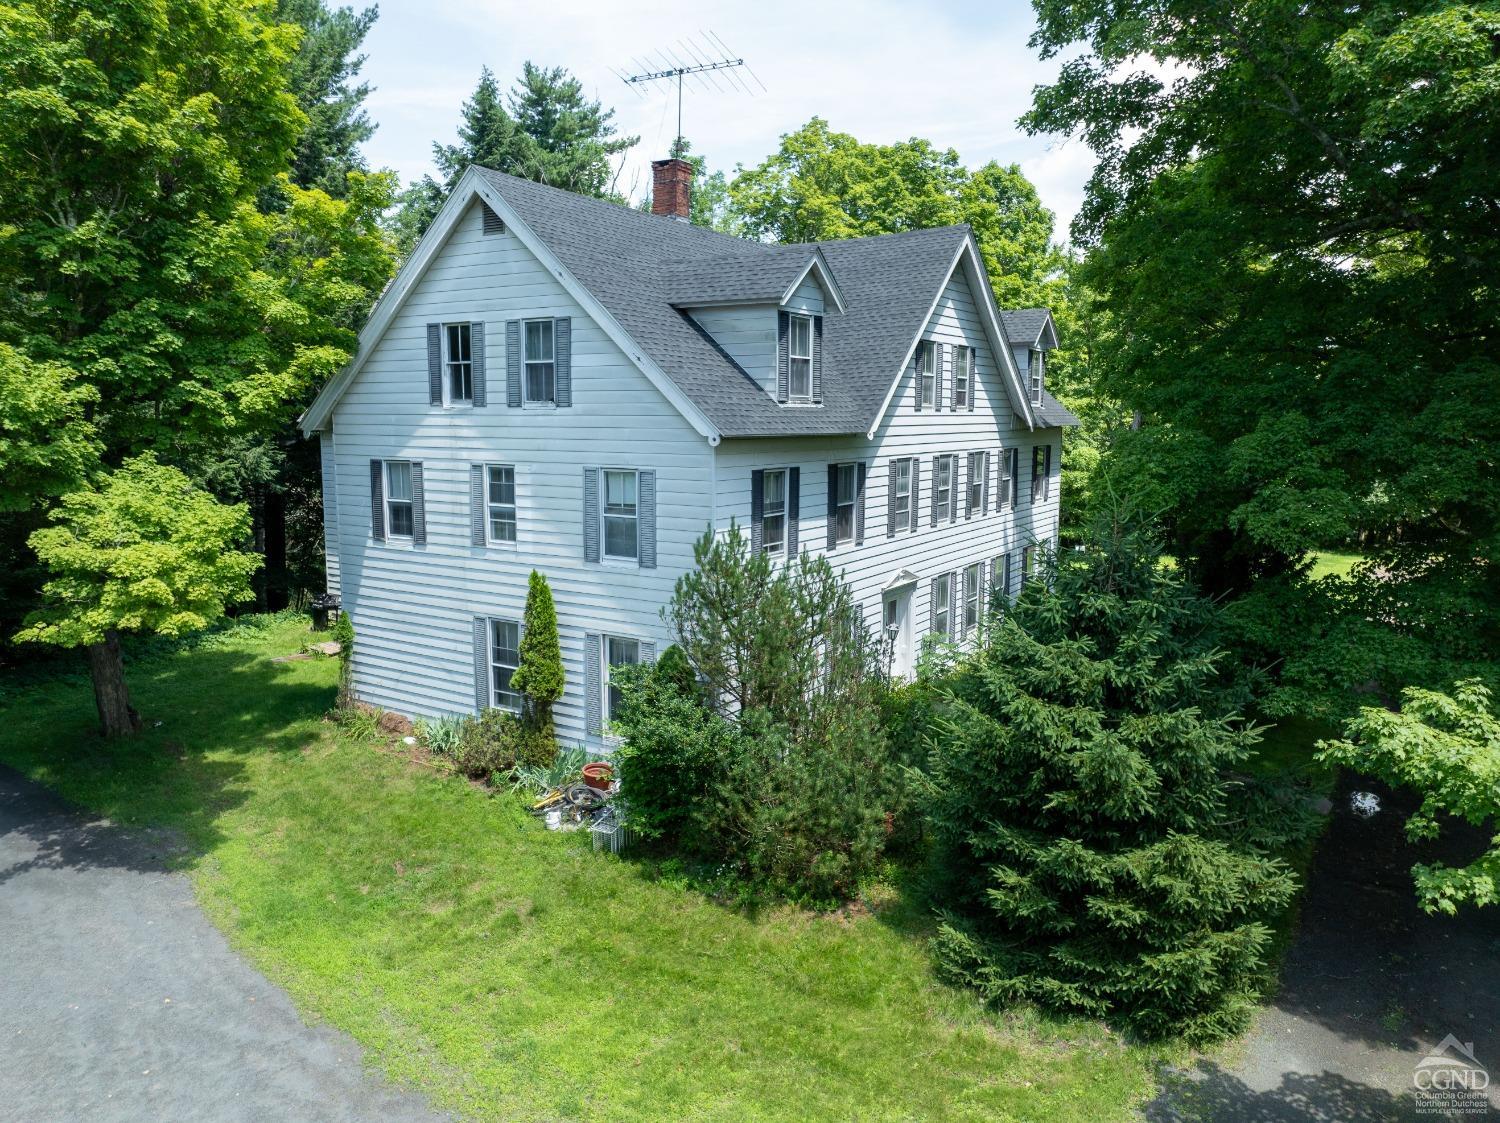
<point x="559" y="383"/>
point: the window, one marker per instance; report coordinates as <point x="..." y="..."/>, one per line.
<point x="502" y="502"/>
<point x="971" y="596"/>
<point x="621" y="527"/>
<point x="942" y="609"/>
<point x="398" y="516"/>
<point x="1041" y="469"/>
<point x="1007" y="574"/>
<point x="927" y="372"/>
<point x="1034" y="369"/>
<point x="905" y="512"/>
<point x="617" y="653"/>
<point x="963" y="375"/>
<point x="1010" y="470"/>
<point x="1028" y="563"/>
<point x="942" y="497"/>
<point x="505" y="657"/>
<point x="799" y="352"/>
<point x="773" y="511"/>
<point x="460" y="363"/>
<point x="541" y="366"/>
<point x="979" y="468"/>
<point x="846" y="485"/>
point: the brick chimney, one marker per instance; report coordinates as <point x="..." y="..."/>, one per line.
<point x="671" y="188"/>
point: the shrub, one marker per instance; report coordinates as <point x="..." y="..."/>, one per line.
<point x="1080" y="811"/>
<point x="565" y="769"/>
<point x="777" y="765"/>
<point x="540" y="673"/>
<point x="496" y="742"/>
<point x="441" y="734"/>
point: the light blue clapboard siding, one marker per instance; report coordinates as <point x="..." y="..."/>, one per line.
<point x="412" y="607"/>
<point x="330" y="511"/>
<point x="807" y="298"/>
<point x="748" y="334"/>
<point x="929" y="550"/>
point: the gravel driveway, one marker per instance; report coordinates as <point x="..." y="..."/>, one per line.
<point x="119" y="1000"/>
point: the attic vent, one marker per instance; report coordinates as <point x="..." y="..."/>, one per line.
<point x="492" y="221"/>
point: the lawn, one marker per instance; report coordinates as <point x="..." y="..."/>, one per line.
<point x="512" y="973"/>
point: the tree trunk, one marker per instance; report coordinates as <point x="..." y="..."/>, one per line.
<point x="116" y="716"/>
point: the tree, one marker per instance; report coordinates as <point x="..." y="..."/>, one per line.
<point x="1446" y="747"/>
<point x="47" y="444"/>
<point x="146" y="552"/>
<point x="1295" y="229"/>
<point x="322" y="77"/>
<point x="539" y="675"/>
<point x="1094" y="843"/>
<point x="546" y="130"/>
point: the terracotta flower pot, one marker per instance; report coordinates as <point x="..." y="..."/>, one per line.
<point x="598" y="775"/>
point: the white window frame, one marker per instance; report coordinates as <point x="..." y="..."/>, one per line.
<point x="391" y="503"/>
<point x="527" y="362"/>
<point x="927" y="372"/>
<point x="776" y="546"/>
<point x="942" y="618"/>
<point x="839" y="505"/>
<point x="605" y="515"/>
<point x="963" y="369"/>
<point x="492" y="505"/>
<point x="793" y="359"/>
<point x="1035" y="371"/>
<point x="909" y="464"/>
<point x="943" y="501"/>
<point x="971" y="595"/>
<point x="497" y="666"/>
<point x="1028" y="563"/>
<point x="1040" y="474"/>
<point x="979" y="471"/>
<point x="607" y="704"/>
<point x="1010" y="471"/>
<point x="456" y="368"/>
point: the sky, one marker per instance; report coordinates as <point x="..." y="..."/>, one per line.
<point x="957" y="73"/>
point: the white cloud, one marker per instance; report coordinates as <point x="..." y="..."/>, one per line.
<point x="956" y="74"/>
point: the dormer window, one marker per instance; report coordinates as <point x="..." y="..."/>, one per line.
<point x="799" y="358"/>
<point x="963" y="376"/>
<point x="1034" y="370"/>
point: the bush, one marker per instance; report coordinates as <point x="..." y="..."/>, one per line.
<point x="441" y="734"/>
<point x="1080" y="809"/>
<point x="777" y="765"/>
<point x="496" y="742"/>
<point x="540" y="674"/>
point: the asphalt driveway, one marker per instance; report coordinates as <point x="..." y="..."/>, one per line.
<point x="119" y="1000"/>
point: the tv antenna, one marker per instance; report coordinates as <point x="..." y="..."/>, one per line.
<point x="706" y="61"/>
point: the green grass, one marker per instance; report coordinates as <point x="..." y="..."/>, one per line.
<point x="1332" y="563"/>
<point x="514" y="974"/>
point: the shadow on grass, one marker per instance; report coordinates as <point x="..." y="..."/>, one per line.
<point x="206" y="713"/>
<point x="1211" y="1095"/>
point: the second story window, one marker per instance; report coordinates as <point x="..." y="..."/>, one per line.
<point x="942" y="606"/>
<point x="1041" y="472"/>
<point x="460" y="363"/>
<point x="979" y="469"/>
<point x="799" y="358"/>
<point x="963" y="376"/>
<point x="1010" y="476"/>
<point x="971" y="596"/>
<point x="926" y="375"/>
<point x="942" y="487"/>
<point x="621" y="523"/>
<point x="1035" y="372"/>
<point x="398" y="513"/>
<point x="502" y="502"/>
<point x="904" y="510"/>
<point x="845" y="488"/>
<point x="773" y="511"/>
<point x="540" y="376"/>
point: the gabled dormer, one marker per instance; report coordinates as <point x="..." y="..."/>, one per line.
<point x="764" y="311"/>
<point x="1032" y="334"/>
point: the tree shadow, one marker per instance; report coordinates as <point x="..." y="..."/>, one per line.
<point x="1208" y="1094"/>
<point x="152" y="801"/>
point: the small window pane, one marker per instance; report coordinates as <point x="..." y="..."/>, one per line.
<point x="539" y="341"/>
<point x="398" y="480"/>
<point x="800" y="378"/>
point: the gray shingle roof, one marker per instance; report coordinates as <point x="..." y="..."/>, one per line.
<point x="1052" y="414"/>
<point x="1024" y="325"/>
<point x="637" y="264"/>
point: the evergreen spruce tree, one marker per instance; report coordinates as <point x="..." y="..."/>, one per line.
<point x="540" y="674"/>
<point x="1083" y="807"/>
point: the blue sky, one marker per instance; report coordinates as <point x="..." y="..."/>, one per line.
<point x="956" y="73"/>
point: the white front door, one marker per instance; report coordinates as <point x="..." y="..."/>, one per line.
<point x="896" y="633"/>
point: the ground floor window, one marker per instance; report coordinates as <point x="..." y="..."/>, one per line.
<point x="505" y="657"/>
<point x="618" y="652"/>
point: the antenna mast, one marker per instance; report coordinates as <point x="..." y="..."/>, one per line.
<point x="698" y="61"/>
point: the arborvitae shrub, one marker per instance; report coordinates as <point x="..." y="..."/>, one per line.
<point x="540" y="674"/>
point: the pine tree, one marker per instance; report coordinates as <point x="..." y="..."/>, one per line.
<point x="540" y="674"/>
<point x="1082" y="809"/>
